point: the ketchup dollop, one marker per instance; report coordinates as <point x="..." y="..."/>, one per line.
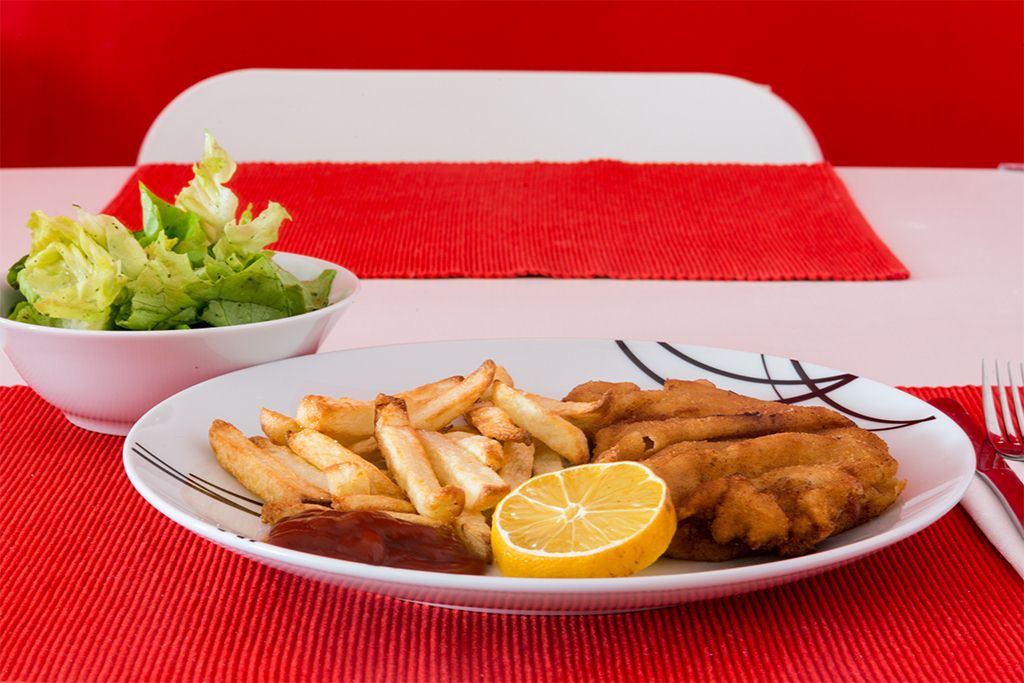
<point x="374" y="538"/>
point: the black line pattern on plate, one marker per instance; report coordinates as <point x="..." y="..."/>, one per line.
<point x="817" y="387"/>
<point x="194" y="482"/>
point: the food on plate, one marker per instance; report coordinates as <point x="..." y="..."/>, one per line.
<point x="518" y="462"/>
<point x="495" y="423"/>
<point x="258" y="469"/>
<point x="486" y="450"/>
<point x="728" y="460"/>
<point x="592" y="521"/>
<point x="456" y="466"/>
<point x="375" y="538"/>
<point x="628" y="440"/>
<point x="601" y="483"/>
<point x="781" y="492"/>
<point x="406" y="459"/>
<point x="562" y="436"/>
<point x="196" y="262"/>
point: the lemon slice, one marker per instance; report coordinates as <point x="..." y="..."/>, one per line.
<point x="598" y="520"/>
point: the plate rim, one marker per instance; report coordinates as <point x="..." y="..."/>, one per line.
<point x="661" y="583"/>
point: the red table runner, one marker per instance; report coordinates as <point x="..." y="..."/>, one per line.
<point x="566" y="220"/>
<point x="96" y="585"/>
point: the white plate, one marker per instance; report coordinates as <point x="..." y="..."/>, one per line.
<point x="183" y="481"/>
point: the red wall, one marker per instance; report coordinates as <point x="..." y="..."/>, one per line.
<point x="881" y="83"/>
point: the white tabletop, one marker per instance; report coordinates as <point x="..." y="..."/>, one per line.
<point x="960" y="232"/>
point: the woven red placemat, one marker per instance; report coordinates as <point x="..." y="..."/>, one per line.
<point x="96" y="585"/>
<point x="567" y="220"/>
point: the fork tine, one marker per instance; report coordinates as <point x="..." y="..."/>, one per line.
<point x="989" y="406"/>
<point x="1016" y="389"/>
<point x="1009" y="430"/>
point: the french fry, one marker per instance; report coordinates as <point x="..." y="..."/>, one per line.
<point x="454" y="465"/>
<point x="408" y="462"/>
<point x="257" y="470"/>
<point x="486" y="450"/>
<point x="272" y="513"/>
<point x="518" y="465"/>
<point x="347" y="479"/>
<point x="420" y="519"/>
<point x="284" y="455"/>
<point x="365" y="448"/>
<point x="371" y="503"/>
<point x="422" y="395"/>
<point x="443" y="408"/>
<point x="475" y="533"/>
<point x="493" y="422"/>
<point x="343" y="419"/>
<point x="500" y="375"/>
<point x="565" y="438"/>
<point x="277" y="426"/>
<point x="583" y="414"/>
<point x="546" y="460"/>
<point x="322" y="452"/>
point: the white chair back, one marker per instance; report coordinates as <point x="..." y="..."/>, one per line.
<point x="341" y="115"/>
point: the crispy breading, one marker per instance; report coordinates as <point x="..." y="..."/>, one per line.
<point x="678" y="398"/>
<point x="638" y="440"/>
<point x="781" y="492"/>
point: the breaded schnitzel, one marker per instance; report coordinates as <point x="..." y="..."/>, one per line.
<point x="747" y="476"/>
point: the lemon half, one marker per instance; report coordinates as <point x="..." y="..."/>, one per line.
<point x="590" y="521"/>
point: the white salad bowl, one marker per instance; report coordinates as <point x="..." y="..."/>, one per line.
<point x="104" y="380"/>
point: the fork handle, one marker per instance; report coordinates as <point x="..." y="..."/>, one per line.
<point x="1008" y="489"/>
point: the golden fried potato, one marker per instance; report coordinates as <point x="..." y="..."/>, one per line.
<point x="348" y="479"/>
<point x="456" y="466"/>
<point x="284" y="455"/>
<point x="486" y="450"/>
<point x="408" y="462"/>
<point x="442" y="409"/>
<point x="273" y="513"/>
<point x="475" y="533"/>
<point x="445" y="525"/>
<point x="429" y="393"/>
<point x="583" y="414"/>
<point x="493" y="422"/>
<point x="565" y="438"/>
<point x="372" y="503"/>
<point x="342" y="419"/>
<point x="257" y="470"/>
<point x="323" y="452"/>
<point x="518" y="465"/>
<point x="276" y="426"/>
<point x="546" y="460"/>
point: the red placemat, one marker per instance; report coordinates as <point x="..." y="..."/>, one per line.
<point x="98" y="586"/>
<point x="566" y="220"/>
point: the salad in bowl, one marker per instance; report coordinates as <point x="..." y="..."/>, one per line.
<point x="196" y="262"/>
<point x="106" y="322"/>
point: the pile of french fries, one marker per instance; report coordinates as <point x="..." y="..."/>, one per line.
<point x="442" y="454"/>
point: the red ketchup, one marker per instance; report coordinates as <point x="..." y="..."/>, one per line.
<point x="374" y="538"/>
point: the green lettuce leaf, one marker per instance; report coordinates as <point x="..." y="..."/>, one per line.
<point x="24" y="312"/>
<point x="316" y="293"/>
<point x="68" y="274"/>
<point x="118" y="240"/>
<point x="251" y="236"/>
<point x="254" y="294"/>
<point x="12" y="272"/>
<point x="159" y="298"/>
<point x="162" y="218"/>
<point x="206" y="195"/>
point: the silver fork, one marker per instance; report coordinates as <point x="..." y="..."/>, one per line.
<point x="1007" y="437"/>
